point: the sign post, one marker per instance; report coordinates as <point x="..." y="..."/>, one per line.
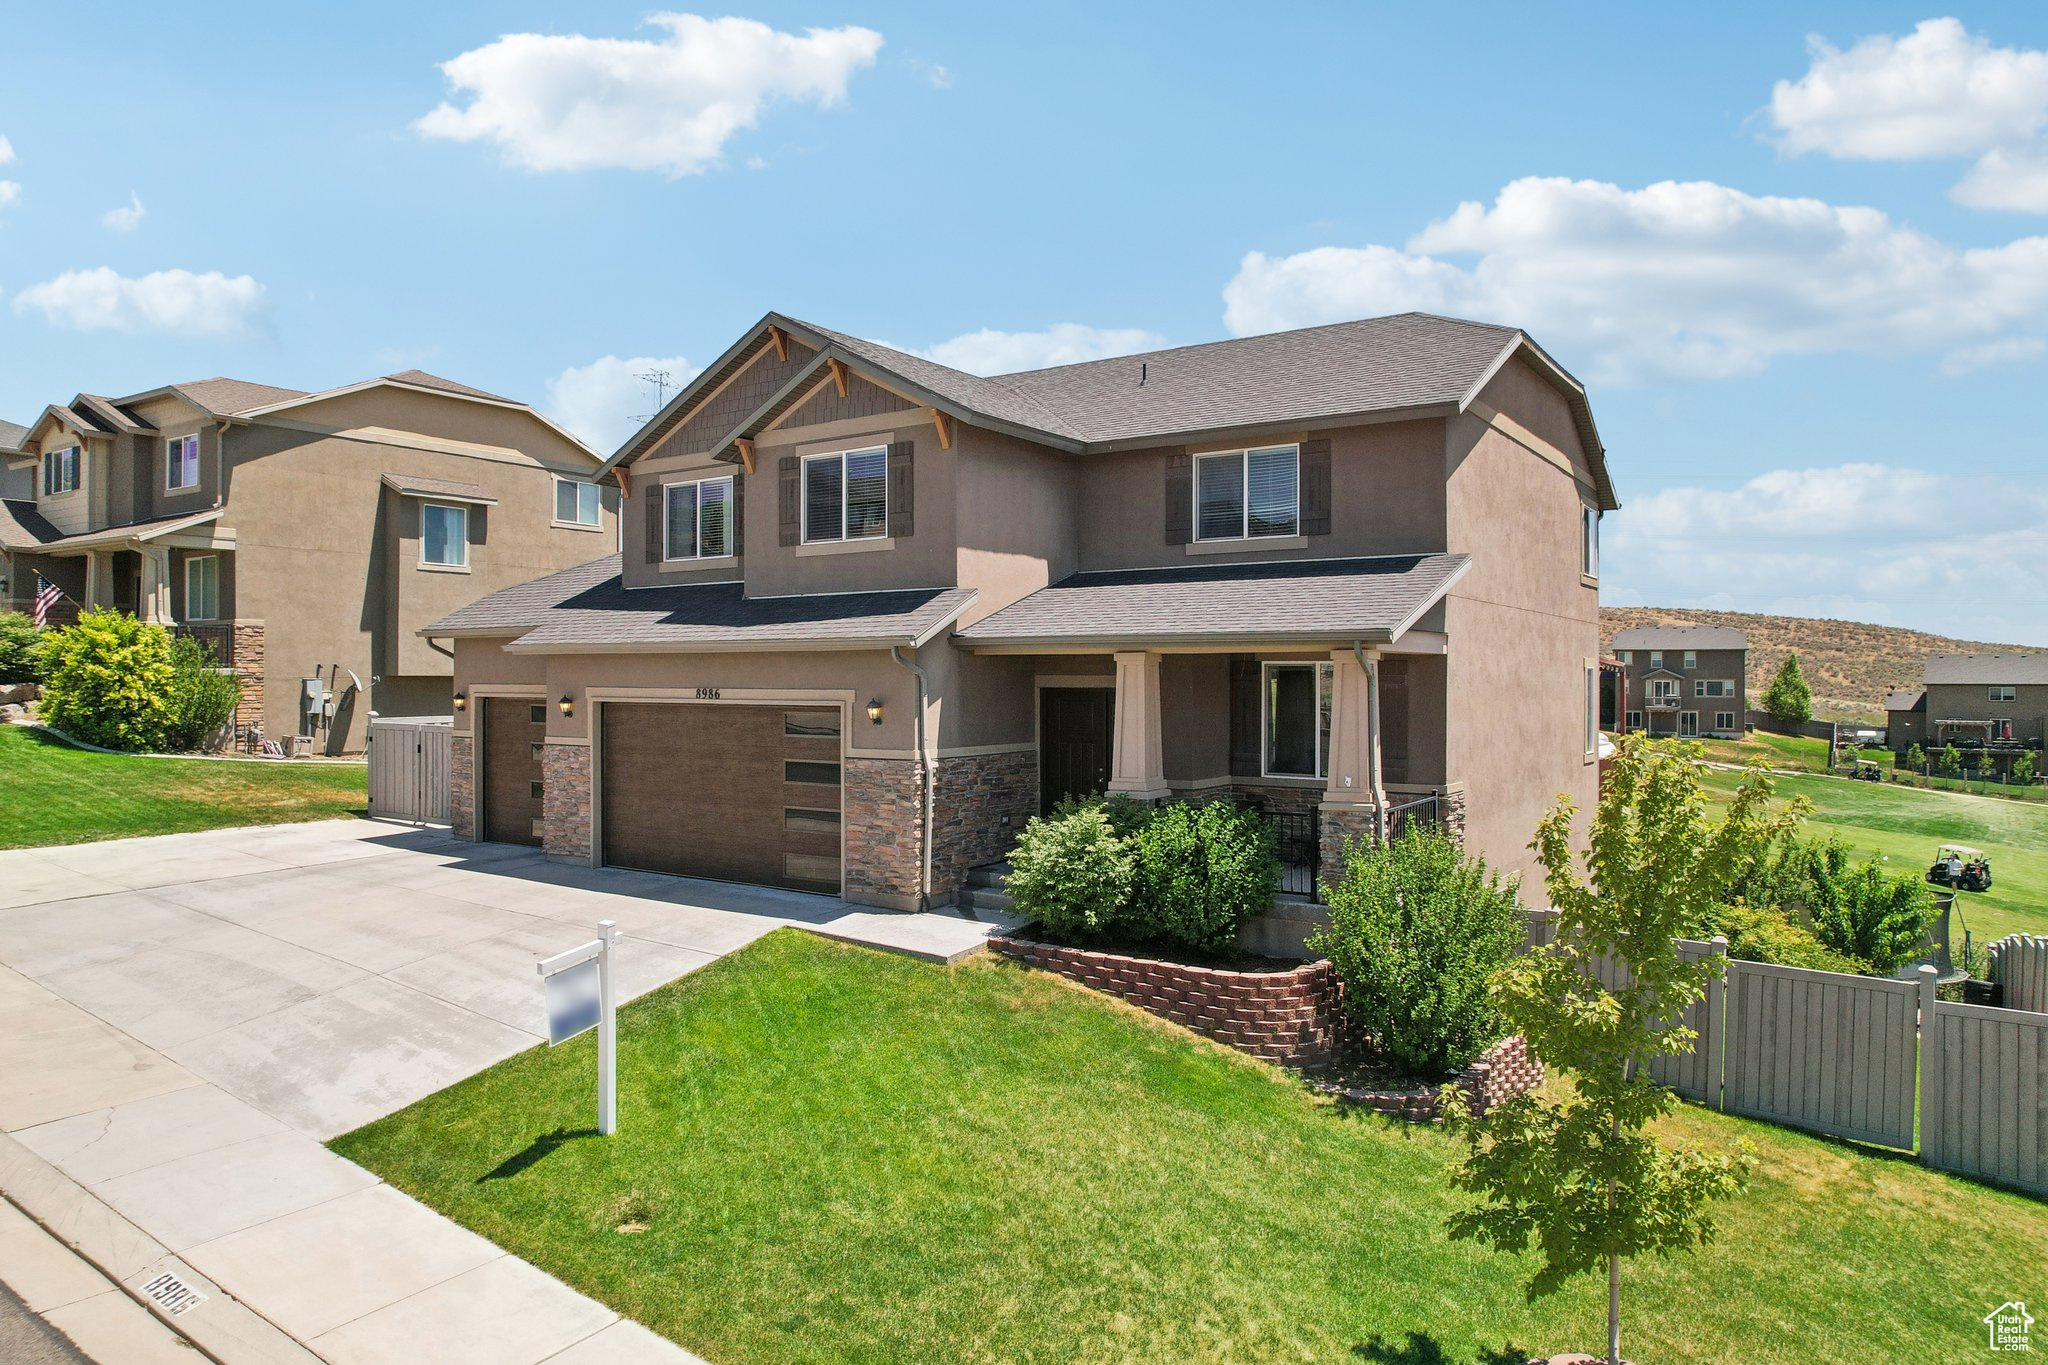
<point x="580" y="994"/>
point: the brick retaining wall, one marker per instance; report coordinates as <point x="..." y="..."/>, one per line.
<point x="1505" y="1070"/>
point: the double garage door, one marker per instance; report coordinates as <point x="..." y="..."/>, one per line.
<point x="736" y="793"/>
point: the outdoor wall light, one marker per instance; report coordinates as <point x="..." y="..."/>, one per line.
<point x="568" y="704"/>
<point x="875" y="710"/>
<point x="462" y="701"/>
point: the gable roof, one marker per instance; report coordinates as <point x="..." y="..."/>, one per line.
<point x="224" y="397"/>
<point x="420" y="379"/>
<point x="1680" y="637"/>
<point x="13" y="437"/>
<point x="1410" y="363"/>
<point x="1905" y="701"/>
<point x="453" y="490"/>
<point x="23" y="526"/>
<point x="2012" y="669"/>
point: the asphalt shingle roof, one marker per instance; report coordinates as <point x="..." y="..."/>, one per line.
<point x="421" y="486"/>
<point x="12" y="434"/>
<point x="589" y="607"/>
<point x="1370" y="599"/>
<point x="1986" y="668"/>
<point x="225" y="397"/>
<point x="421" y="379"/>
<point x="1904" y="701"/>
<point x="22" y="526"/>
<point x="1681" y="637"/>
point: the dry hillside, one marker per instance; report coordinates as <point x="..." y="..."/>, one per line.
<point x="1849" y="665"/>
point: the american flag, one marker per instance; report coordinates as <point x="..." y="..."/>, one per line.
<point x="47" y="595"/>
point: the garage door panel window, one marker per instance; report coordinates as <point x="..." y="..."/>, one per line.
<point x="699" y="519"/>
<point x="811" y="867"/>
<point x="846" y="496"/>
<point x="811" y="724"/>
<point x="810" y="773"/>
<point x="803" y="820"/>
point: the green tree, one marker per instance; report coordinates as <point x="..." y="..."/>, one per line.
<point x="1788" y="698"/>
<point x="1949" y="762"/>
<point x="20" y="648"/>
<point x="1573" y="1172"/>
<point x="1916" y="759"/>
<point x="1877" y="918"/>
<point x="2022" y="770"/>
<point x="108" y="680"/>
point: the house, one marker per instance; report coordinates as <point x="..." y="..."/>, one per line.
<point x="1344" y="573"/>
<point x="1979" y="701"/>
<point x="302" y="536"/>
<point x="1905" y="715"/>
<point x="1685" y="680"/>
<point x="17" y="476"/>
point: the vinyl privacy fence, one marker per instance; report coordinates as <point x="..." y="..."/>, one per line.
<point x="2019" y="966"/>
<point x="410" y="768"/>
<point x="1876" y="1060"/>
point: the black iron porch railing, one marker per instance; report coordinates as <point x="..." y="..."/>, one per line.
<point x="1300" y="839"/>
<point x="218" y="637"/>
<point x="1427" y="810"/>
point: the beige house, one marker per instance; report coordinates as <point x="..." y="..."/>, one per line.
<point x="872" y="613"/>
<point x="1685" y="680"/>
<point x="303" y="536"/>
<point x="1974" y="701"/>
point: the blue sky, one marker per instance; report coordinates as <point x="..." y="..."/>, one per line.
<point x="1800" y="254"/>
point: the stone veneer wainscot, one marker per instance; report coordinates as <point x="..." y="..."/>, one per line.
<point x="565" y="799"/>
<point x="879" y="799"/>
<point x="980" y="803"/>
<point x="462" y="785"/>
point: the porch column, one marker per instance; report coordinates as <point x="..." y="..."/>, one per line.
<point x="1355" y="778"/>
<point x="1138" y="759"/>
<point x="153" y="602"/>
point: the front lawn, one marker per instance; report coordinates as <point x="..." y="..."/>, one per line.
<point x="830" y="1154"/>
<point x="1906" y="825"/>
<point x="56" y="794"/>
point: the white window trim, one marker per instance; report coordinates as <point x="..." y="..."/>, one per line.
<point x="555" y="518"/>
<point x="2004" y="692"/>
<point x="191" y="560"/>
<point x="700" y="556"/>
<point x="77" y="453"/>
<point x="1243" y="456"/>
<point x="1589" y="566"/>
<point x="1729" y="716"/>
<point x="1692" y="661"/>
<point x="169" y="442"/>
<point x="2001" y="727"/>
<point x="803" y="498"/>
<point x="1656" y="658"/>
<point x="1700" y="686"/>
<point x="1633" y="719"/>
<point x="435" y="566"/>
<point x="1693" y="733"/>
<point x="1592" y="718"/>
<point x="1626" y="656"/>
<point x="1322" y="759"/>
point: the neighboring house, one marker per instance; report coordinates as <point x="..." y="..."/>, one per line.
<point x="1905" y="715"/>
<point x="302" y="535"/>
<point x="1685" y="680"/>
<point x="1981" y="700"/>
<point x="1337" y="572"/>
<point x="17" y="476"/>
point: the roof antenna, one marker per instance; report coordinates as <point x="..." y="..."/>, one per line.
<point x="662" y="381"/>
<point x="1144" y="368"/>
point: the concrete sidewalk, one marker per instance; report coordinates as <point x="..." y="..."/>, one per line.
<point x="184" y="1020"/>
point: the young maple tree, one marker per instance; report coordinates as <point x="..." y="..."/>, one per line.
<point x="1573" y="1171"/>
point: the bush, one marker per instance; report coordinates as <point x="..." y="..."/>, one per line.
<point x="20" y="649"/>
<point x="1762" y="933"/>
<point x="1071" y="873"/>
<point x="107" y="680"/>
<point x="1200" y="874"/>
<point x="202" y="699"/>
<point x="1916" y="759"/>
<point x="1881" y="920"/>
<point x="1417" y="929"/>
<point x="2022" y="770"/>
<point x="1950" y="762"/>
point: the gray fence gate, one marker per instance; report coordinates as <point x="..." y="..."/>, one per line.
<point x="2019" y="964"/>
<point x="409" y="767"/>
<point x="1983" y="1103"/>
<point x="1823" y="1050"/>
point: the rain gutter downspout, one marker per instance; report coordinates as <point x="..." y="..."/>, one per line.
<point x="924" y="763"/>
<point x="1374" y="788"/>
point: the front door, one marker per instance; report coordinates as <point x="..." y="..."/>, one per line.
<point x="1076" y="729"/>
<point x="514" y="730"/>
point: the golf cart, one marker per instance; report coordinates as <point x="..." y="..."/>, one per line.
<point x="1962" y="867"/>
<point x="1867" y="771"/>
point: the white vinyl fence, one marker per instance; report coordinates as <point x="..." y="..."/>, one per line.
<point x="410" y="767"/>
<point x="2019" y="964"/>
<point x="1871" y="1059"/>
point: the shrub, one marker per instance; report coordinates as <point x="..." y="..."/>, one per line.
<point x="1881" y="920"/>
<point x="1950" y="761"/>
<point x="1071" y="873"/>
<point x="1417" y="930"/>
<point x="1200" y="874"/>
<point x="1764" y="933"/>
<point x="2022" y="770"/>
<point x="202" y="699"/>
<point x="107" y="680"/>
<point x="1916" y="759"/>
<point x="20" y="649"/>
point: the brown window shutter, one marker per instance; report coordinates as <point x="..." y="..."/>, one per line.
<point x="1315" y="487"/>
<point x="791" y="526"/>
<point x="1180" y="499"/>
<point x="652" y="494"/>
<point x="739" y="511"/>
<point x="902" y="489"/>
<point x="1244" y="716"/>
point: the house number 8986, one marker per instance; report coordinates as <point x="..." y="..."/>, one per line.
<point x="707" y="694"/>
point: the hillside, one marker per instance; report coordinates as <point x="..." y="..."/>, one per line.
<point x="1849" y="665"/>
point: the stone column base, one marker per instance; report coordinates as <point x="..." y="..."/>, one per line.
<point x="462" y="785"/>
<point x="565" y="800"/>
<point x="880" y="802"/>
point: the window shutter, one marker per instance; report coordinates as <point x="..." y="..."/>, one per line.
<point x="1180" y="499"/>
<point x="791" y="524"/>
<point x="902" y="489"/>
<point x="1315" y="487"/>
<point x="739" y="511"/>
<point x="1244" y="716"/>
<point x="654" y="496"/>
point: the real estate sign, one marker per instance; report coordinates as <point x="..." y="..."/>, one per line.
<point x="576" y="992"/>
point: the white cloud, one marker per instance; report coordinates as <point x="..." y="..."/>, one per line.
<point x="6" y="152"/>
<point x="128" y="217"/>
<point x="9" y="192"/>
<point x="2011" y="351"/>
<point x="606" y="401"/>
<point x="1063" y="343"/>
<point x="1940" y="91"/>
<point x="1861" y="542"/>
<point x="567" y="102"/>
<point x="1675" y="280"/>
<point x="163" y="301"/>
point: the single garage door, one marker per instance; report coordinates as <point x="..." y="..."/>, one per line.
<point x="514" y="730"/>
<point x="736" y="793"/>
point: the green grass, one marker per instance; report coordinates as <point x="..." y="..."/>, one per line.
<point x="1906" y="825"/>
<point x="60" y="795"/>
<point x="829" y="1154"/>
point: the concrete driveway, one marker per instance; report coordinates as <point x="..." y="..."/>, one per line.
<point x="184" y="1020"/>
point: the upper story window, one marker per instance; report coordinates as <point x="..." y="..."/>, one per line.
<point x="181" y="463"/>
<point x="1592" y="710"/>
<point x="1656" y="658"/>
<point x="846" y="495"/>
<point x="1692" y="660"/>
<point x="698" y="519"/>
<point x="1245" y="494"/>
<point x="60" y="470"/>
<point x="1298" y="705"/>
<point x="202" y="588"/>
<point x="1713" y="687"/>
<point x="444" y="535"/>
<point x="1591" y="567"/>
<point x="576" y="502"/>
<point x="2005" y="693"/>
<point x="1627" y="656"/>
